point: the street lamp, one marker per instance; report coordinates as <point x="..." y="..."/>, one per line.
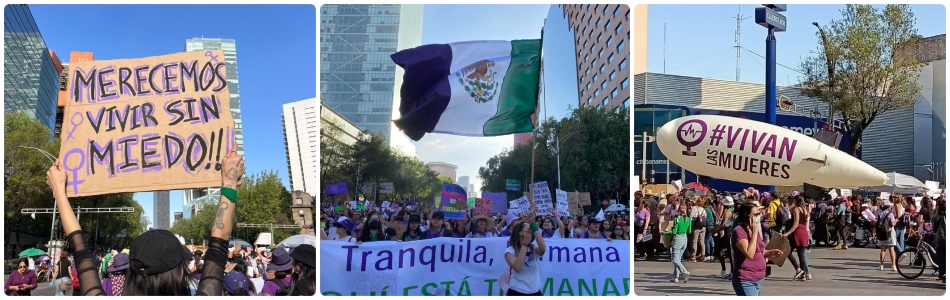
<point x="831" y="77"/>
<point x="558" y="150"/>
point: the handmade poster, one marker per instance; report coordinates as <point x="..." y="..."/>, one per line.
<point x="498" y="202"/>
<point x="563" y="208"/>
<point x="398" y="226"/>
<point x="541" y="196"/>
<point x="451" y="192"/>
<point x="520" y="206"/>
<point x="146" y="124"/>
<point x="584" y="198"/>
<point x="483" y="207"/>
<point x="461" y="205"/>
<point x="846" y="192"/>
<point x="471" y="201"/>
<point x="777" y="241"/>
<point x="572" y="199"/>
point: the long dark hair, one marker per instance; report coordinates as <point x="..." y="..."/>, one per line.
<point x="306" y="284"/>
<point x="174" y="282"/>
<point x="365" y="232"/>
<point x="744" y="212"/>
<point x="515" y="239"/>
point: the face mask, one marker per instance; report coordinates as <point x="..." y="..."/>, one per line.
<point x="758" y="219"/>
<point x="375" y="225"/>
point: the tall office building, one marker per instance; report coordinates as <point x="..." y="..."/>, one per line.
<point x="160" y="218"/>
<point x="31" y="75"/>
<point x="230" y="60"/>
<point x="63" y="80"/>
<point x="463" y="182"/>
<point x="443" y="169"/>
<point x="300" y="123"/>
<point x="357" y="78"/>
<point x="602" y="50"/>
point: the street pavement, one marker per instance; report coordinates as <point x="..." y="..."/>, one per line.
<point x="852" y="272"/>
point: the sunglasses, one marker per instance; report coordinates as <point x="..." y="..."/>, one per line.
<point x="22" y="267"/>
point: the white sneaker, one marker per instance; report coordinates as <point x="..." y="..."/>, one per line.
<point x="881" y="268"/>
<point x="675" y="280"/>
<point x="894" y="268"/>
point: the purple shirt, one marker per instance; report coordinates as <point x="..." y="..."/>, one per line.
<point x="642" y="216"/>
<point x="271" y="288"/>
<point x="747" y="269"/>
<point x="16" y="279"/>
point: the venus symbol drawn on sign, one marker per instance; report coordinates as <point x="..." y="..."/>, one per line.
<point x="687" y="135"/>
<point x="69" y="135"/>
<point x="213" y="57"/>
<point x="82" y="161"/>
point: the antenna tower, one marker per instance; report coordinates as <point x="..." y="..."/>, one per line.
<point x="664" y="48"/>
<point x="738" y="45"/>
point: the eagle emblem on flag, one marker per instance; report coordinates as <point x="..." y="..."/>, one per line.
<point x="478" y="79"/>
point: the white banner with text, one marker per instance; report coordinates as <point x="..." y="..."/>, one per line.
<point x="463" y="267"/>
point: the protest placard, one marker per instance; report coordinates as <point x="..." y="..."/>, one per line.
<point x="519" y="206"/>
<point x="583" y="198"/>
<point x="498" y="202"/>
<point x="572" y="199"/>
<point x="541" y="196"/>
<point x="398" y="226"/>
<point x="461" y="205"/>
<point x="563" y="208"/>
<point x="846" y="192"/>
<point x="483" y="207"/>
<point x="147" y="124"/>
<point x="451" y="192"/>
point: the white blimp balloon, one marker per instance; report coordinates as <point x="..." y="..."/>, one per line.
<point x="759" y="153"/>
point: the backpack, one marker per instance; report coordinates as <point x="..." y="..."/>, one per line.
<point x="883" y="225"/>
<point x="75" y="278"/>
<point x="282" y="290"/>
<point x="710" y="217"/>
<point x="783" y="218"/>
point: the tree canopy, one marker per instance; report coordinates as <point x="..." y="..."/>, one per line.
<point x="872" y="54"/>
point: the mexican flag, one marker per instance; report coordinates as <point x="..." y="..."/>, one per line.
<point x="476" y="88"/>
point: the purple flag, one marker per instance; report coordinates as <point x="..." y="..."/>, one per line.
<point x="335" y="189"/>
<point x="499" y="202"/>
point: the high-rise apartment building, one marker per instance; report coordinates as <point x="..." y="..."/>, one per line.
<point x="31" y="75"/>
<point x="464" y="183"/>
<point x="300" y="123"/>
<point x="160" y="217"/>
<point x="230" y="60"/>
<point x="358" y="79"/>
<point x="444" y="169"/>
<point x="602" y="51"/>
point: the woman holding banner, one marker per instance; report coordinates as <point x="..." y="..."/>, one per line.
<point x="158" y="262"/>
<point x="526" y="247"/>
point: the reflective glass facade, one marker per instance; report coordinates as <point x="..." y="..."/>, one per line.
<point x="559" y="81"/>
<point x="357" y="77"/>
<point x="30" y="78"/>
<point x="230" y="60"/>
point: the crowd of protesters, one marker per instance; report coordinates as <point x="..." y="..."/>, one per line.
<point x="701" y="226"/>
<point x="157" y="264"/>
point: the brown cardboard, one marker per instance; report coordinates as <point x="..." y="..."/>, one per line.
<point x="777" y="241"/>
<point x="584" y="198"/>
<point x="96" y="161"/>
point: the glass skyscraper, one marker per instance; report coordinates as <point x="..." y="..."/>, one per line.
<point x="357" y="78"/>
<point x="31" y="78"/>
<point x="230" y="60"/>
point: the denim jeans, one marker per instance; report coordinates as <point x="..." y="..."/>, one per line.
<point x="676" y="255"/>
<point x="56" y="283"/>
<point x="747" y="288"/>
<point x="900" y="239"/>
<point x="710" y="242"/>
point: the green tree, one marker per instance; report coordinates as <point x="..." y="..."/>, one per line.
<point x="25" y="175"/>
<point x="335" y="156"/>
<point x="594" y="155"/>
<point x="875" y="69"/>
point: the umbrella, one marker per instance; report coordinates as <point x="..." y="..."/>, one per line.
<point x="297" y="240"/>
<point x="239" y="242"/>
<point x="44" y="257"/>
<point x="615" y="207"/>
<point x="32" y="252"/>
<point x="900" y="183"/>
<point x="180" y="239"/>
<point x="696" y="186"/>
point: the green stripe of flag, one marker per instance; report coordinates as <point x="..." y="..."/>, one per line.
<point x="519" y="91"/>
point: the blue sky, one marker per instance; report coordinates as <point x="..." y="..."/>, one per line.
<point x="455" y="23"/>
<point x="276" y="50"/>
<point x="700" y="39"/>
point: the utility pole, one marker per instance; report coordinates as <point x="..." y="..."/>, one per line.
<point x="738" y="45"/>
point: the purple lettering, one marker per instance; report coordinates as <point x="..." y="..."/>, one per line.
<point x="123" y="145"/>
<point x="412" y="257"/>
<point x="388" y="258"/>
<point x="756" y="142"/>
<point x="745" y="134"/>
<point x="74" y="182"/>
<point x="732" y="136"/>
<point x="349" y="256"/>
<point x="787" y="149"/>
<point x="770" y="146"/>
<point x="431" y="256"/>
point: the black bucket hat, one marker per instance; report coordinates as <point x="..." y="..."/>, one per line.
<point x="158" y="251"/>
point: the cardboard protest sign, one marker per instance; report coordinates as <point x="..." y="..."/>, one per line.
<point x="846" y="192"/>
<point x="519" y="206"/>
<point x="781" y="243"/>
<point x="398" y="226"/>
<point x="572" y="199"/>
<point x="542" y="199"/>
<point x="583" y="198"/>
<point x="483" y="207"/>
<point x="147" y="124"/>
<point x="461" y="205"/>
<point x="563" y="208"/>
